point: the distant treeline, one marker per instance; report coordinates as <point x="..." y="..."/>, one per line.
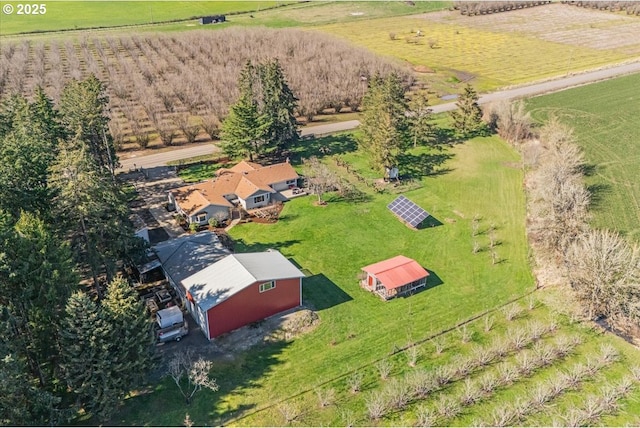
<point x="484" y="7"/>
<point x="472" y="8"/>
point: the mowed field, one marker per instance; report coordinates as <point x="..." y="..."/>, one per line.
<point x="503" y="48"/>
<point x="605" y="118"/>
<point x="70" y="15"/>
<point x="485" y="370"/>
<point x="331" y="243"/>
<point x="67" y="15"/>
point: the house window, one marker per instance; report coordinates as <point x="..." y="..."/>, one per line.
<point x="258" y="199"/>
<point x="201" y="218"/>
<point x="267" y="286"/>
<point x="291" y="181"/>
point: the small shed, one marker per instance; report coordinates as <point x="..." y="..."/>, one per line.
<point x="212" y="19"/>
<point x="393" y="277"/>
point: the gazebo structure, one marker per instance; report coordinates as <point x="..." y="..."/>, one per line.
<point x="393" y="277"/>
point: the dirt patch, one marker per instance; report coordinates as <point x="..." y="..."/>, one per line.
<point x="281" y="327"/>
<point x="286" y="326"/>
<point x="423" y="69"/>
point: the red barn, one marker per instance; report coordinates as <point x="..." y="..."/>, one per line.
<point x="394" y="276"/>
<point x="241" y="289"/>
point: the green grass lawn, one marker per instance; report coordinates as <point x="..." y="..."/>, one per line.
<point x="605" y="118"/>
<point x="333" y="242"/>
<point x="70" y="15"/>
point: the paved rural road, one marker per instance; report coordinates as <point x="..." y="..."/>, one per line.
<point x="161" y="159"/>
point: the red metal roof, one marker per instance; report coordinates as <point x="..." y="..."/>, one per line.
<point x="397" y="271"/>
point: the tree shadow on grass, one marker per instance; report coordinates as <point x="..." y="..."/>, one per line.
<point x="423" y="164"/>
<point x="241" y="246"/>
<point x="322" y="293"/>
<point x="597" y="193"/>
<point x="163" y="405"/>
<point x="323" y="146"/>
<point x="245" y="370"/>
<point x="355" y="196"/>
<point x="446" y="136"/>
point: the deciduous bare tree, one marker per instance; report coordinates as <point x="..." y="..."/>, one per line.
<point x="320" y="179"/>
<point x="604" y="271"/>
<point x="191" y="375"/>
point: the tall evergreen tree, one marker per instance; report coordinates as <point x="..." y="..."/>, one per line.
<point x="134" y="342"/>
<point x="420" y="121"/>
<point x="92" y="212"/>
<point x="27" y="149"/>
<point x="244" y="128"/>
<point x="467" y="119"/>
<point x="384" y="121"/>
<point x="86" y="342"/>
<point x="83" y="106"/>
<point x="262" y="120"/>
<point x="278" y="106"/>
<point x="36" y="278"/>
<point x="23" y="403"/>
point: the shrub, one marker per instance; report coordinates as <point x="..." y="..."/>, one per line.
<point x="470" y="394"/>
<point x="512" y="311"/>
<point x="326" y="397"/>
<point x="412" y="353"/>
<point x="488" y="383"/>
<point x="426" y="417"/>
<point x="355" y="382"/>
<point x="447" y="407"/>
<point x="376" y="405"/>
<point x="421" y="383"/>
<point x="488" y="323"/>
<point x="384" y="368"/>
<point x="397" y="394"/>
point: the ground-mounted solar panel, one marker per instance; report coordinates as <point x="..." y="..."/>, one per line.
<point x="407" y="211"/>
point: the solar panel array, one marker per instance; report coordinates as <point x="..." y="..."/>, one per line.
<point x="408" y="211"/>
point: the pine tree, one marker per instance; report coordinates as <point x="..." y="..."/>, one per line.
<point x="36" y="278"/>
<point x="467" y="119"/>
<point x="244" y="128"/>
<point x="278" y="106"/>
<point x="21" y="402"/>
<point x="134" y="341"/>
<point x="27" y="150"/>
<point x="89" y="365"/>
<point x="384" y="121"/>
<point x="91" y="209"/>
<point x="420" y="121"/>
<point x="83" y="108"/>
<point x="262" y="120"/>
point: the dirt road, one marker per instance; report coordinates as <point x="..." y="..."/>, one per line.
<point x="555" y="85"/>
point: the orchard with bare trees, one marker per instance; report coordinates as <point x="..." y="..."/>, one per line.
<point x="178" y="87"/>
<point x="471" y="8"/>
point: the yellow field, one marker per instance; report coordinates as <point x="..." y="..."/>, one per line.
<point x="491" y="59"/>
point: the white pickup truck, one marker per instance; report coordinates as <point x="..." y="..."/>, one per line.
<point x="172" y="325"/>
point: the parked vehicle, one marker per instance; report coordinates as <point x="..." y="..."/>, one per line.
<point x="172" y="325"/>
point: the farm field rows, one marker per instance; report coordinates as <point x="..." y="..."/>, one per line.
<point x="64" y="15"/>
<point x="604" y="117"/>
<point x="490" y="56"/>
